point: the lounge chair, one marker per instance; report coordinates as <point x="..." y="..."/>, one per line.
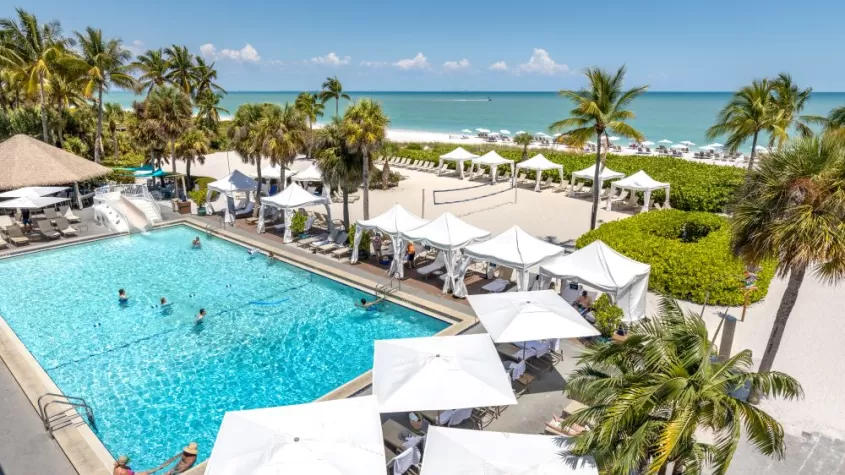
<point x="439" y="263"/>
<point x="501" y="283"/>
<point x="5" y="222"/>
<point x="64" y="227"/>
<point x="621" y="196"/>
<point x="578" y="187"/>
<point x="307" y="241"/>
<point x="341" y="252"/>
<point x="549" y="181"/>
<point x="46" y="230"/>
<point x="657" y="205"/>
<point x="16" y="235"/>
<point x="322" y="242"/>
<point x="520" y="178"/>
<point x="334" y="245"/>
<point x="50" y="214"/>
<point x="68" y="213"/>
<point x="245" y="211"/>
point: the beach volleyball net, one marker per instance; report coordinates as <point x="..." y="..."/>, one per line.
<point x="469" y="193"/>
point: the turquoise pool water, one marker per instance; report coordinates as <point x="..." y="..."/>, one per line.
<point x="155" y="379"/>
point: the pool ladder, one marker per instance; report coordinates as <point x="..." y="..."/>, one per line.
<point x="389" y="288"/>
<point x="209" y="228"/>
<point x="69" y="416"/>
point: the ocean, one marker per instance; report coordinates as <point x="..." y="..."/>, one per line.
<point x="674" y="116"/>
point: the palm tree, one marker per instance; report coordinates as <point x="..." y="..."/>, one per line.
<point x="169" y="112"/>
<point x="35" y="50"/>
<point x="65" y="92"/>
<point x="750" y="111"/>
<point x="106" y="65"/>
<point x="388" y="151"/>
<point x="789" y="100"/>
<point x="280" y="134"/>
<point x="524" y="140"/>
<point x="310" y="106"/>
<point x="208" y="111"/>
<point x="153" y="68"/>
<point x="243" y="132"/>
<point x="192" y="147"/>
<point x="181" y="69"/>
<point x="144" y="132"/>
<point x="364" y="128"/>
<point x="791" y="210"/>
<point x="114" y="115"/>
<point x="599" y="108"/>
<point x="649" y="394"/>
<point x="341" y="167"/>
<point x="205" y="76"/>
<point x="834" y="122"/>
<point x="333" y="89"/>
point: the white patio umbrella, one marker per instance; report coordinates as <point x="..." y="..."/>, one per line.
<point x="505" y="132"/>
<point x="716" y="145"/>
<point x="520" y="132"/>
<point x="484" y="131"/>
<point x="613" y="139"/>
<point x="665" y="141"/>
<point x="439" y="373"/>
<point x="706" y="147"/>
<point x="33" y="191"/>
<point x="678" y="145"/>
<point x="557" y="135"/>
<point x="758" y="148"/>
<point x="36" y="202"/>
<point x="541" y="134"/>
<point x="647" y="143"/>
<point x="687" y="143"/>
<point x="466" y="131"/>
<point x="474" y="452"/>
<point x="340" y="437"/>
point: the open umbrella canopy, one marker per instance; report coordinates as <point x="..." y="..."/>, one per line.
<point x="459" y="154"/>
<point x="665" y="141"/>
<point x="518" y="132"/>
<point x="235" y="181"/>
<point x="310" y="174"/>
<point x="446" y="232"/>
<point x="647" y="143"/>
<point x="613" y="139"/>
<point x="687" y="143"/>
<point x="474" y="452"/>
<point x="716" y="145"/>
<point x="26" y="161"/>
<point x="293" y="197"/>
<point x="36" y="202"/>
<point x="439" y="373"/>
<point x="505" y="132"/>
<point x="340" y="437"/>
<point x="33" y="191"/>
<point x="678" y="146"/>
<point x="466" y="131"/>
<point x="529" y="316"/>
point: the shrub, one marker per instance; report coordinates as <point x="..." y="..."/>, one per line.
<point x="375" y="178"/>
<point x="365" y="240"/>
<point x="198" y="197"/>
<point x="608" y="316"/>
<point x="297" y="223"/>
<point x="694" y="186"/>
<point x="75" y="146"/>
<point x="689" y="254"/>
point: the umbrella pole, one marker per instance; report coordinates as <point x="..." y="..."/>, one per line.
<point x="76" y="192"/>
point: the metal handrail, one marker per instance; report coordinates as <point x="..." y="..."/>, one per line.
<point x="62" y="419"/>
<point x="131" y="191"/>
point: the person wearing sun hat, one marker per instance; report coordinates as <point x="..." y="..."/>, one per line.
<point x="121" y="466"/>
<point x="187" y="459"/>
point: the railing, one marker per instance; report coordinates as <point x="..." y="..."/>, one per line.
<point x="64" y="418"/>
<point x="391" y="286"/>
<point x="132" y="191"/>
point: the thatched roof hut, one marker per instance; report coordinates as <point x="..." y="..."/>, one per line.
<point x="25" y="161"/>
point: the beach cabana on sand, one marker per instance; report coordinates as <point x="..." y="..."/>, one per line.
<point x="391" y="223"/>
<point x="492" y="160"/>
<point x="227" y="186"/>
<point x="513" y="248"/>
<point x="599" y="266"/>
<point x="26" y="161"/>
<point x="639" y="181"/>
<point x="289" y="200"/>
<point x="309" y="175"/>
<point x="449" y="234"/>
<point x="538" y="163"/>
<point x="459" y="156"/>
<point x="589" y="173"/>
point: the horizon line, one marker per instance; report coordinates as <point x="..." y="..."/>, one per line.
<point x="293" y="91"/>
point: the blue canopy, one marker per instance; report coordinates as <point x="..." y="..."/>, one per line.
<point x="157" y="173"/>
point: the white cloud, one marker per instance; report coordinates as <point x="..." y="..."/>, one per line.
<point x="246" y="54"/>
<point x="331" y="59"/>
<point x="373" y="64"/>
<point x="498" y="66"/>
<point x="136" y="47"/>
<point x="417" y="62"/>
<point x="456" y="65"/>
<point x="542" y="63"/>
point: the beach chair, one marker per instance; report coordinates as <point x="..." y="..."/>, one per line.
<point x="16" y="235"/>
<point x="578" y="187"/>
<point x="548" y="182"/>
<point x="434" y="267"/>
<point x="520" y="178"/>
<point x="501" y="283"/>
<point x="51" y="215"/>
<point x="64" y="227"/>
<point x="310" y="240"/>
<point x="407" y="461"/>
<point x="45" y="229"/>
<point x="322" y="242"/>
<point x="245" y="211"/>
<point x="657" y="206"/>
<point x="337" y="243"/>
<point x="67" y="213"/>
<point x="5" y="222"/>
<point x="621" y="196"/>
<point x="429" y="167"/>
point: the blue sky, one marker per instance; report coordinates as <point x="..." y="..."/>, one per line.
<point x="494" y="45"/>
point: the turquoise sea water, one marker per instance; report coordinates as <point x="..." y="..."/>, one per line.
<point x="157" y="381"/>
<point x="675" y="116"/>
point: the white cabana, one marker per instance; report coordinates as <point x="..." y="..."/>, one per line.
<point x="589" y="173"/>
<point x="33" y="191"/>
<point x="514" y="248"/>
<point x="459" y="156"/>
<point x="289" y="200"/>
<point x="639" y="181"/>
<point x="539" y="164"/>
<point x="232" y="183"/>
<point x="393" y="221"/>
<point x="474" y="452"/>
<point x="449" y="234"/>
<point x="439" y="373"/>
<point x="492" y="160"/>
<point x="35" y="202"/>
<point x="529" y="316"/>
<point x="310" y="174"/>
<point x="599" y="266"/>
<point x="339" y="437"/>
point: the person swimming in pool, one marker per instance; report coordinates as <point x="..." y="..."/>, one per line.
<point x="166" y="307"/>
<point x="200" y="317"/>
<point x="368" y="306"/>
<point x="122" y="297"/>
<point x="196" y="244"/>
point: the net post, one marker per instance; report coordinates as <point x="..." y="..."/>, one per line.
<point x="423" y="204"/>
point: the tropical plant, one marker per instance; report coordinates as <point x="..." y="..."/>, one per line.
<point x="792" y="209"/>
<point x="65" y="93"/>
<point x="750" y="111"/>
<point x="205" y="76"/>
<point x="297" y="223"/>
<point x="208" y="111"/>
<point x="342" y="167"/>
<point x="388" y="151"/>
<point x="181" y="70"/>
<point x="523" y="139"/>
<point x="599" y="108"/>
<point x="245" y="139"/>
<point x="834" y="122"/>
<point x="280" y="135"/>
<point x="75" y="146"/>
<point x="153" y="68"/>
<point x="168" y="112"/>
<point x="365" y="128"/>
<point x="789" y="100"/>
<point x="608" y="316"/>
<point x="333" y="89"/>
<point x="192" y="147"/>
<point x="144" y="133"/>
<point x="34" y="50"/>
<point x="114" y="115"/>
<point x="649" y="395"/>
<point x="310" y="106"/>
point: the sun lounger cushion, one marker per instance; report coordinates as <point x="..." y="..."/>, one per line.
<point x="496" y="286"/>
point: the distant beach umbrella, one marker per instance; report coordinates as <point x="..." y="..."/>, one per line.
<point x="505" y="132"/>
<point x="557" y="135"/>
<point x="687" y="143"/>
<point x="613" y="139"/>
<point x="665" y="141"/>
<point x="678" y="145"/>
<point x="716" y="145"/>
<point x="706" y="147"/>
<point x="540" y="134"/>
<point x="647" y="143"/>
<point x="466" y="131"/>
<point x="590" y="142"/>
<point x="520" y="132"/>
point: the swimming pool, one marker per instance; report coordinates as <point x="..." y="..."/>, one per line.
<point x="155" y="379"/>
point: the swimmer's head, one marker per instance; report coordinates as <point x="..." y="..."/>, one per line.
<point x="202" y="311"/>
<point x="121" y="292"/>
<point x="363" y="301"/>
<point x="163" y="300"/>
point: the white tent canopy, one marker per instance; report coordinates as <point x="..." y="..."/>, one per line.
<point x="234" y="182"/>
<point x="639" y="181"/>
<point x="289" y="200"/>
<point x="36" y="202"/>
<point x="539" y="164"/>
<point x="33" y="191"/>
<point x="392" y="222"/>
<point x="339" y="437"/>
<point x="439" y="373"/>
<point x="589" y="173"/>
<point x="459" y="156"/>
<point x="474" y="452"/>
<point x="310" y="174"/>
<point x="450" y="234"/>
<point x="601" y="267"/>
<point x="529" y="316"/>
<point x="514" y="248"/>
<point x="492" y="160"/>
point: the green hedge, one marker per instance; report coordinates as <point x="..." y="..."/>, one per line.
<point x="694" y="186"/>
<point x="689" y="254"/>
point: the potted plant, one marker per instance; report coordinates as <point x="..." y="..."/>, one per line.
<point x="608" y="316"/>
<point x="198" y="197"/>
<point x="363" y="246"/>
<point x="297" y="224"/>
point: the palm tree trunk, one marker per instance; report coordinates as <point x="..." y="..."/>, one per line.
<point x="188" y="172"/>
<point x="787" y="303"/>
<point x="366" y="199"/>
<point x="385" y="174"/>
<point x="43" y="108"/>
<point x="595" y="213"/>
<point x="310" y="138"/>
<point x="753" y="152"/>
<point x="525" y="153"/>
<point x="337" y="108"/>
<point x="257" y="188"/>
<point x="116" y="154"/>
<point x="345" y="191"/>
<point x="61" y="129"/>
<point x="173" y="163"/>
<point x="98" y="140"/>
<point x="282" y="178"/>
